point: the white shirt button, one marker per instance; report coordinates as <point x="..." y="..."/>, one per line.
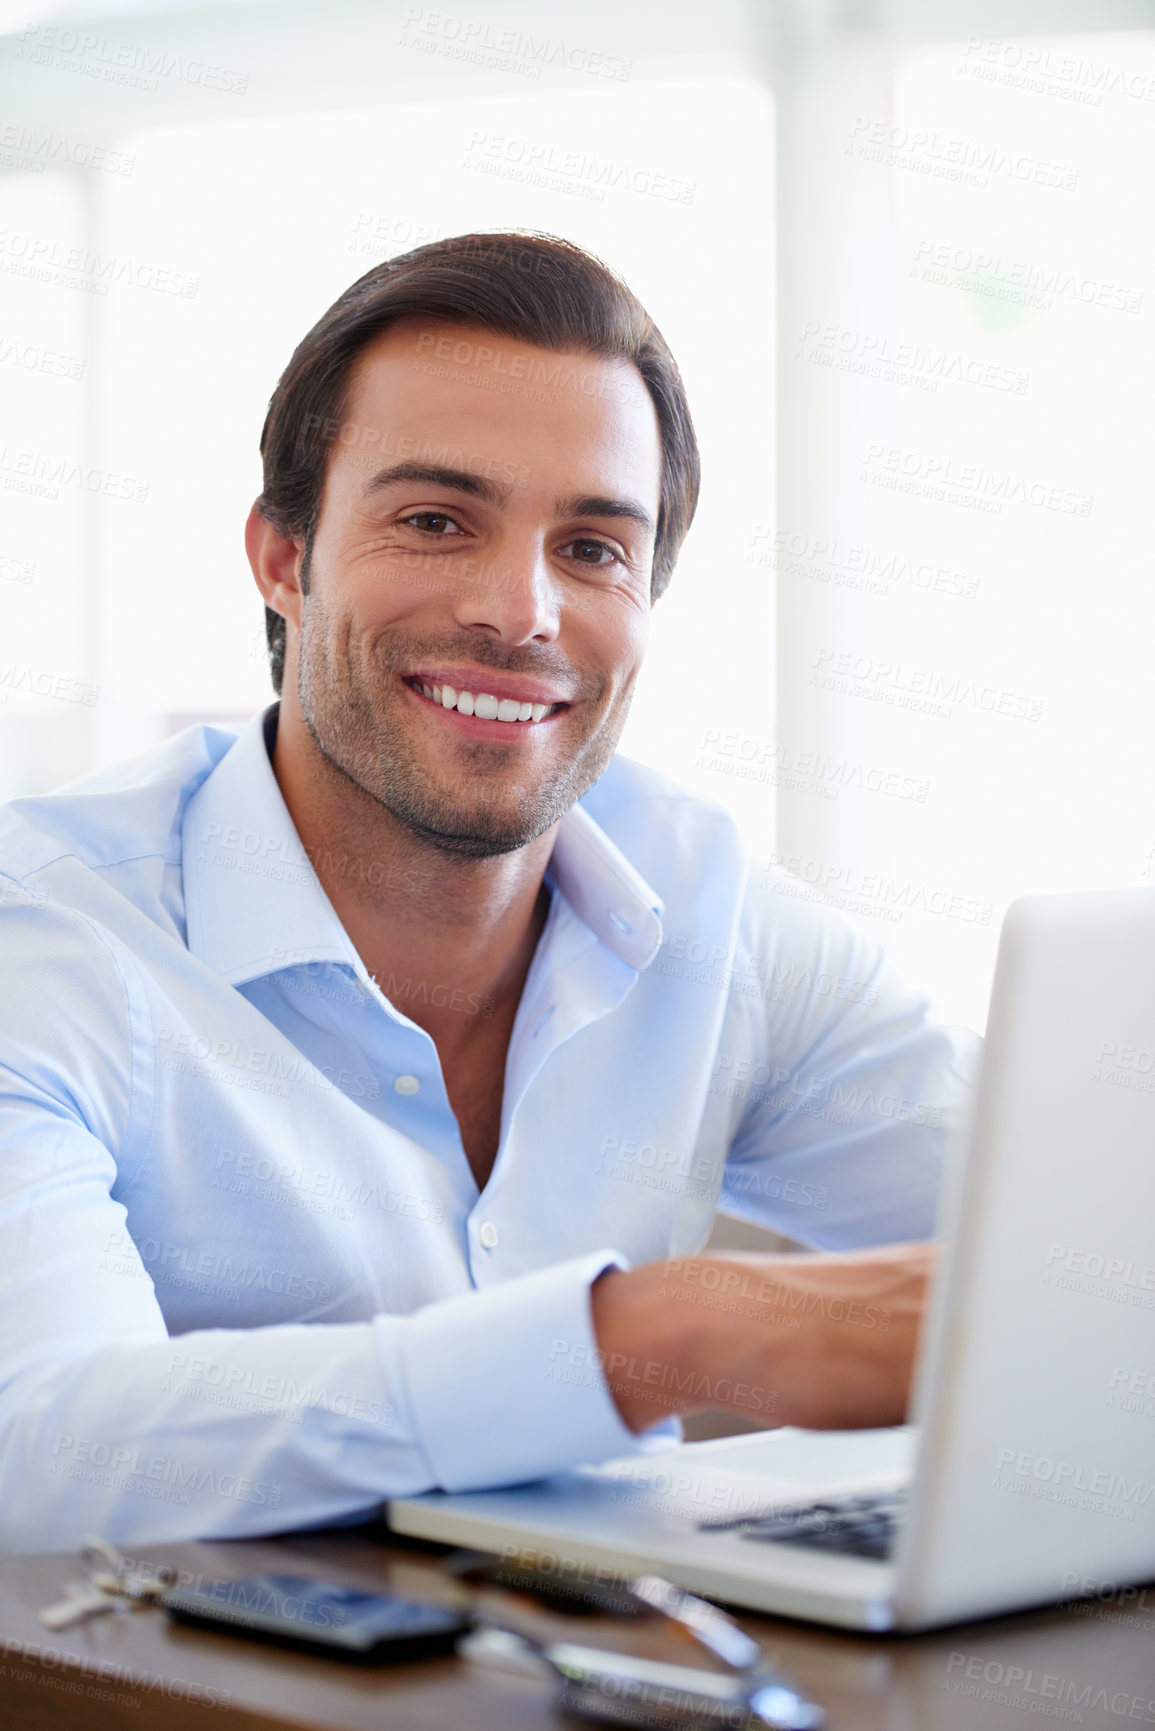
<point x="406" y="1085"/>
<point x="487" y="1235"/>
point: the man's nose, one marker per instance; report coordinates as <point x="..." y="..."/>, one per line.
<point x="516" y="597"/>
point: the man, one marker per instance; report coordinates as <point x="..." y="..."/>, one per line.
<point x="365" y="1101"/>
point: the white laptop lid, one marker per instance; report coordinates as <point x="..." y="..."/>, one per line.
<point x="1037" y="1470"/>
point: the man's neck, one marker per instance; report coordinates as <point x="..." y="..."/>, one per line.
<point x="448" y="937"/>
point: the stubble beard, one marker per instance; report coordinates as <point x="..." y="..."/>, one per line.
<point x="355" y="721"/>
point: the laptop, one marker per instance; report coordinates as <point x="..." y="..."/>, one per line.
<point x="1027" y="1473"/>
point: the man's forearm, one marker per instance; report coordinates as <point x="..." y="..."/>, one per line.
<point x="824" y="1341"/>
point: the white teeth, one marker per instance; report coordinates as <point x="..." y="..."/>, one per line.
<point x="483" y="704"/>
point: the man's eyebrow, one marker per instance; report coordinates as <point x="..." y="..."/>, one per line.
<point x="460" y="480"/>
<point x="595" y="506"/>
<point x="481" y="487"/>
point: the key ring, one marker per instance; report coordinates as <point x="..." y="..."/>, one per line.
<point x="112" y="1573"/>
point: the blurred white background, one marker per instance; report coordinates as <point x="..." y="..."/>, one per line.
<point x="905" y="259"/>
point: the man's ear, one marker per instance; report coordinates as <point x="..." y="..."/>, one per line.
<point x="276" y="566"/>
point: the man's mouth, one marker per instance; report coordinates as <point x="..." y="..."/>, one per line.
<point x="485" y="705"/>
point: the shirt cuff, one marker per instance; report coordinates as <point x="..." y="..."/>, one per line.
<point x="505" y="1384"/>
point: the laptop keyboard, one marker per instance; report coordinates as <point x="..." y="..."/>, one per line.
<point x="858" y="1526"/>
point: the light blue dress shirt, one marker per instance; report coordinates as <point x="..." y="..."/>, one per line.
<point x="247" y="1280"/>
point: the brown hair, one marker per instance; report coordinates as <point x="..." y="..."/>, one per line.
<point x="532" y="287"/>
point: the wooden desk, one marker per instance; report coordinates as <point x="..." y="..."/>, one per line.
<point x="1091" y="1664"/>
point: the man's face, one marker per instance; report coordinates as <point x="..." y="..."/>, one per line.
<point x="486" y="528"/>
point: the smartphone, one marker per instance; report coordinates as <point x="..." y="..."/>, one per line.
<point x="319" y="1617"/>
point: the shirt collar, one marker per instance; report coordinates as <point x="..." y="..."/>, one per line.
<point x="605" y="891"/>
<point x="254" y="904"/>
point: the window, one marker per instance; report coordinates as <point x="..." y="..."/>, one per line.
<point x="908" y="285"/>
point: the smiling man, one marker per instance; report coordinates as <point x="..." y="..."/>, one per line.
<point x="371" y="1077"/>
<point x="460" y="653"/>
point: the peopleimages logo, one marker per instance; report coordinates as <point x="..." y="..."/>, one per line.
<point x="781" y="765"/>
<point x="242" y="1380"/>
<point x="571" y="171"/>
<point x="265" y="1070"/>
<point x="947" y="480"/>
<point x="866" y="569"/>
<point x="1049" y="72"/>
<point x="115" y="61"/>
<point x="1125" y="1066"/>
<point x="204" y="1269"/>
<point x="1098" y="1265"/>
<point x="42" y="476"/>
<point x="924" y="689"/>
<point x="47" y="259"/>
<point x="878" y="355"/>
<point x="24" y="147"/>
<point x="475" y="40"/>
<point x="1043" y="1692"/>
<point x="1017" y="281"/>
<point x="873" y="893"/>
<point x="967" y="160"/>
<point x="1097" y="1489"/>
<point x="124" y="1464"/>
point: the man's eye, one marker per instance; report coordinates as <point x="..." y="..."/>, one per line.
<point x="589" y="552"/>
<point x="433" y="523"/>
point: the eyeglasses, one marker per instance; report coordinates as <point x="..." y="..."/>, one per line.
<point x="750" y="1695"/>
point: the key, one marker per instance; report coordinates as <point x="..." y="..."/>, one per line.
<point x="111" y="1586"/>
<point x="83" y="1599"/>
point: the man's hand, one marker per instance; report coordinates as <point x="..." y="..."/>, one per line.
<point x="824" y="1341"/>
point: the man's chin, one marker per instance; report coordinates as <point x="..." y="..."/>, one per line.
<point x="473" y="836"/>
<point x="475" y="847"/>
